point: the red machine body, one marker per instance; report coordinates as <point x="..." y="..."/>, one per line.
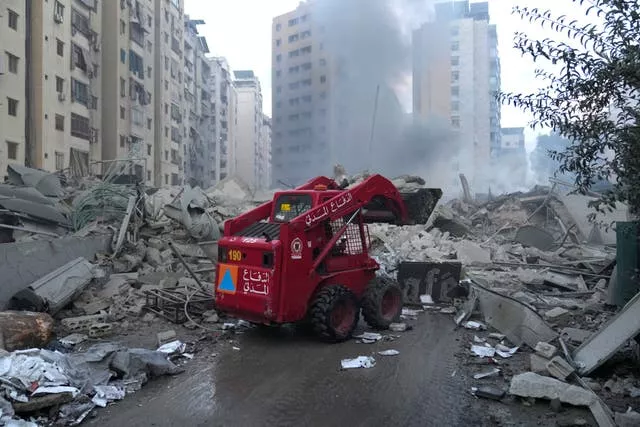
<point x="274" y="259"/>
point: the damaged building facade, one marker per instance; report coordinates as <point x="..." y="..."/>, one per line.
<point x="146" y="91"/>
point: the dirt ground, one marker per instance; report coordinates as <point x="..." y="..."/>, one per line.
<point x="282" y="377"/>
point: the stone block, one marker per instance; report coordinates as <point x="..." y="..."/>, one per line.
<point x="530" y="384"/>
<point x="560" y="368"/>
<point x="546" y="350"/>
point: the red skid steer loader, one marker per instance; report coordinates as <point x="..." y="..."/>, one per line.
<point x="305" y="255"/>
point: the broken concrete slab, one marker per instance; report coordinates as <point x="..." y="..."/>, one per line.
<point x="574" y="336"/>
<point x="529" y="235"/>
<point x="538" y="364"/>
<point x="25" y="263"/>
<point x="556" y="314"/>
<point x="560" y="368"/>
<point x="60" y="286"/>
<point x="95" y="306"/>
<point x="546" y="350"/>
<point x="153" y="257"/>
<point x="82" y="323"/>
<point x="517" y="321"/>
<point x="600" y="346"/>
<point x="100" y="330"/>
<point x="472" y="253"/>
<point x="627" y="419"/>
<point x="530" y="384"/>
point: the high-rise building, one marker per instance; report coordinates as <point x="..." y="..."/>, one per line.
<point x="456" y="77"/>
<point x="250" y="156"/>
<point x="169" y="91"/>
<point x="301" y="84"/>
<point x="128" y="76"/>
<point x="197" y="128"/>
<point x="221" y="107"/>
<point x="13" y="75"/>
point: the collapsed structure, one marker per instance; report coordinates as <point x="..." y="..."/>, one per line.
<point x="104" y="255"/>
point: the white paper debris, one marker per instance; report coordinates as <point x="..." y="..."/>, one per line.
<point x="173" y="347"/>
<point x="390" y="352"/>
<point x="369" y="337"/>
<point x="483" y="351"/>
<point x="504" y="351"/>
<point x="398" y="327"/>
<point x="227" y="326"/>
<point x="426" y="299"/>
<point x="448" y="310"/>
<point x="476" y="326"/>
<point x="409" y="312"/>
<point x="497" y="336"/>
<point x="56" y="390"/>
<point x="109" y="392"/>
<point x="359" y="362"/>
<point x="236" y="348"/>
<point x="486" y="374"/>
<point x="477" y="339"/>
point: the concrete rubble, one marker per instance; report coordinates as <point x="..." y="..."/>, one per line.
<point x="523" y="266"/>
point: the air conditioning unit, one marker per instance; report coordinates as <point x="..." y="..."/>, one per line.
<point x="61" y="96"/>
<point x="58" y="18"/>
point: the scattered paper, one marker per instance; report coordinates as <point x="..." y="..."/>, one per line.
<point x="56" y="390"/>
<point x="504" y="351"/>
<point x="369" y="337"/>
<point x="172" y="347"/>
<point x="228" y="326"/>
<point x="448" y="310"/>
<point x="478" y="339"/>
<point x="486" y="374"/>
<point x="483" y="351"/>
<point x="359" y="362"/>
<point x="398" y="327"/>
<point x="107" y="393"/>
<point x="236" y="348"/>
<point x="426" y="299"/>
<point x="476" y="326"/>
<point x="389" y="353"/>
<point x="497" y="336"/>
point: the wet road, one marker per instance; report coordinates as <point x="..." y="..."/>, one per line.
<point x="282" y="378"/>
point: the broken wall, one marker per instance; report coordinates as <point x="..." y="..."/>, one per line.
<point x="23" y="263"/>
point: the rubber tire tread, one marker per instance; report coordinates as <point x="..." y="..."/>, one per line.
<point x="320" y="312"/>
<point x="371" y="303"/>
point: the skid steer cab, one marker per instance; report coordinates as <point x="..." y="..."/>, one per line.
<point x="305" y="256"/>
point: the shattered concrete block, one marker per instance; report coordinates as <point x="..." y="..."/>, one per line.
<point x="575" y="335"/>
<point x="560" y="368"/>
<point x="488" y="392"/>
<point x="628" y="419"/>
<point x="153" y="257"/>
<point x="469" y="253"/>
<point x="546" y="350"/>
<point x="99" y="330"/>
<point x="533" y="385"/>
<point x="556" y="314"/>
<point x="73" y="339"/>
<point x="166" y="256"/>
<point x="156" y="243"/>
<point x="165" y="337"/>
<point x="93" y="307"/>
<point x="82" y="323"/>
<point x="538" y="364"/>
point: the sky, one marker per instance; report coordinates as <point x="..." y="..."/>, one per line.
<point x="240" y="30"/>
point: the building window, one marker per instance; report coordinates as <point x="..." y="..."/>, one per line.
<point x="455" y="105"/>
<point x="455" y="76"/>
<point x="13" y="20"/>
<point x="293" y="70"/>
<point x="77" y="57"/>
<point x="13" y="63"/>
<point x="306" y="50"/>
<point x="455" y="31"/>
<point x="306" y="66"/>
<point x="149" y="125"/>
<point x="148" y="72"/>
<point x="149" y="46"/>
<point x="80" y="127"/>
<point x="58" y="9"/>
<point x="136" y="64"/>
<point x="323" y="79"/>
<point x="166" y="179"/>
<point x="166" y="63"/>
<point x="123" y="89"/>
<point x="455" y="46"/>
<point x="166" y="131"/>
<point x="148" y="175"/>
<point x="455" y="60"/>
<point x="294" y="85"/>
<point x="305" y="34"/>
<point x="279" y="89"/>
<point x="278" y="57"/>
<point x="166" y="154"/>
<point x="122" y="139"/>
<point x="12" y="150"/>
<point x="149" y="151"/>
<point x="123" y="27"/>
<point x="278" y="27"/>
<point x="80" y="23"/>
<point x="455" y="122"/>
<point x="59" y="122"/>
<point x="323" y="61"/>
<point x="278" y="42"/>
<point x="59" y="161"/>
<point x="278" y="73"/>
<point x="13" y="106"/>
<point x="122" y="113"/>
<point x="293" y="22"/>
<point x="59" y="84"/>
<point x="123" y="56"/>
<point x="294" y="38"/>
<point x="455" y="91"/>
<point x="294" y="53"/>
<point x="60" y="47"/>
<point x="79" y="92"/>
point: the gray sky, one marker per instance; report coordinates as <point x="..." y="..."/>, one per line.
<point x="240" y="30"/>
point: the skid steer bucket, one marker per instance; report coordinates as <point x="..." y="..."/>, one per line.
<point x="421" y="203"/>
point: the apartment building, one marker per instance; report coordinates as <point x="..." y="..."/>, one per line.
<point x="13" y="74"/>
<point x="304" y="122"/>
<point x="221" y="99"/>
<point x="513" y="154"/>
<point x="456" y="80"/>
<point x="169" y="88"/>
<point x="197" y="129"/>
<point x="250" y="155"/>
<point x="128" y="76"/>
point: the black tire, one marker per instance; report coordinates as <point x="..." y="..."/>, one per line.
<point x="382" y="303"/>
<point x="327" y="322"/>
